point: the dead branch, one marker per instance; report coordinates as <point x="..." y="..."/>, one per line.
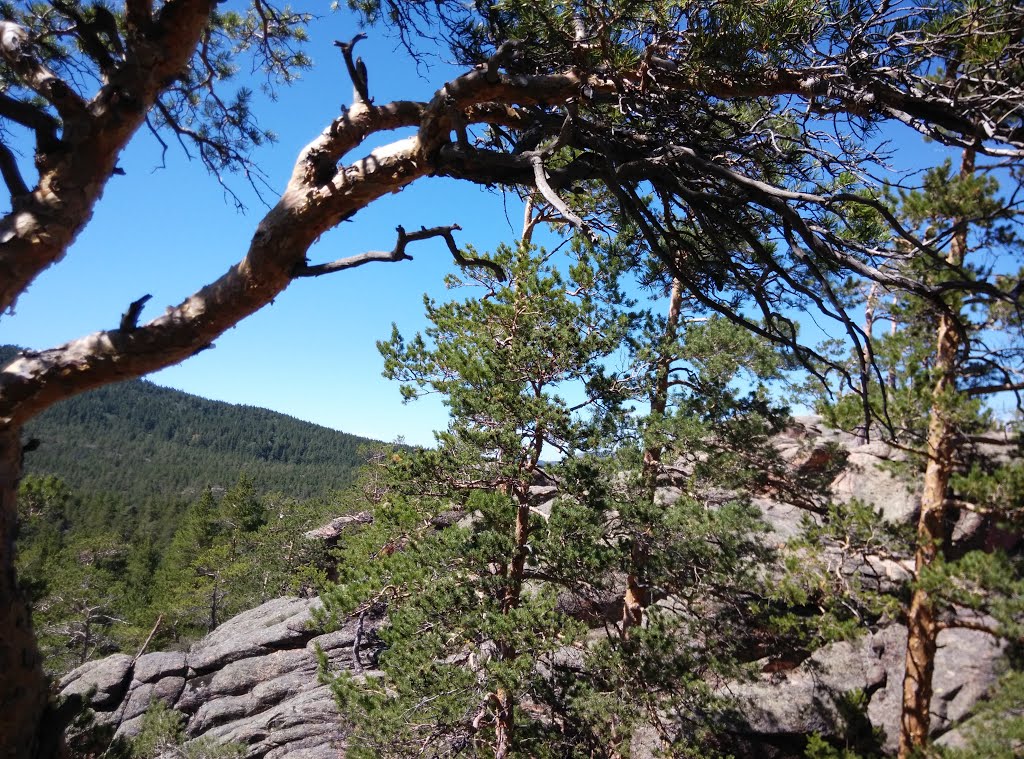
<point x="1003" y="387"/>
<point x="142" y="648"/>
<point x="130" y="318"/>
<point x="356" y="70"/>
<point x="398" y="254"/>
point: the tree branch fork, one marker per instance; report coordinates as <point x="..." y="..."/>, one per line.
<point x="398" y="253"/>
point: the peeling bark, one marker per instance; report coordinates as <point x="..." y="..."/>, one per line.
<point x="74" y="171"/>
<point x="504" y="724"/>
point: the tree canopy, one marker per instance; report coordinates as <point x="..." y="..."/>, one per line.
<point x="742" y="121"/>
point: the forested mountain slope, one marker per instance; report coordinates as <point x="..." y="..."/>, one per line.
<point x="140" y="441"/>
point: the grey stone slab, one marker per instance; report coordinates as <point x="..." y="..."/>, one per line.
<point x="107" y="679"/>
<point x="281" y="623"/>
<point x="154" y="666"/>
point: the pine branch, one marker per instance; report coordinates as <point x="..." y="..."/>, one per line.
<point x="398" y="254"/>
<point x="11" y="173"/>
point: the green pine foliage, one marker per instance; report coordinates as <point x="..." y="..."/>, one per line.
<point x="824" y="593"/>
<point x="996" y="730"/>
<point x="128" y="515"/>
<point x="919" y="401"/>
<point x="163" y="735"/>
<point x="450" y="643"/>
<point x="472" y="609"/>
<point x="499" y="605"/>
<point x="232" y="554"/>
<point x="901" y="391"/>
<point x="97" y="592"/>
<point x="82" y="614"/>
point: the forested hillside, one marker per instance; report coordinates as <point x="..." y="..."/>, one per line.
<point x="140" y="442"/>
<point x="142" y="503"/>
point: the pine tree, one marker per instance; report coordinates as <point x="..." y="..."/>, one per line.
<point x="491" y="588"/>
<point x="472" y="613"/>
<point x="232" y="554"/>
<point x="940" y="362"/>
<point x="709" y="105"/>
<point x="181" y="591"/>
<point x="80" y="617"/>
<point x="43" y="504"/>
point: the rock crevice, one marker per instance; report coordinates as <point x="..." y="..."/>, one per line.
<point x="254" y="680"/>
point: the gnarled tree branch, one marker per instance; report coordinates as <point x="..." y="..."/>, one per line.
<point x="31" y="116"/>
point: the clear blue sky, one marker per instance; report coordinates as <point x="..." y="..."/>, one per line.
<point x="312" y="353"/>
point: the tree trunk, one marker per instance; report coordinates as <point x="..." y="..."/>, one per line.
<point x="504" y="706"/>
<point x="870" y="305"/>
<point x="922" y="624"/>
<point x="517" y="565"/>
<point x="504" y="724"/>
<point x="23" y="687"/>
<point x="638" y="596"/>
<point x="890" y="380"/>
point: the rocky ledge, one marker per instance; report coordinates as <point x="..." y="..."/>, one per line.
<point x="254" y="680"/>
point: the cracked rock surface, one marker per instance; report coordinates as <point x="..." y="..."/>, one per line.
<point x="258" y="684"/>
<point x="815" y="696"/>
<point x="253" y="680"/>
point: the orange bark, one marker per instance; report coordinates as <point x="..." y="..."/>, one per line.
<point x="932" y="532"/>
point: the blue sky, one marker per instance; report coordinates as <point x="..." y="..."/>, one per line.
<point x="312" y="353"/>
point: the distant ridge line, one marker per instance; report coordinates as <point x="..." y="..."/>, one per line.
<point x="137" y="440"/>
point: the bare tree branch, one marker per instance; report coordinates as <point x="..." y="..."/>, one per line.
<point x="130" y="318"/>
<point x="11" y="173"/>
<point x="36" y="119"/>
<point x="992" y="389"/>
<point x="398" y="254"/>
<point x="356" y="70"/>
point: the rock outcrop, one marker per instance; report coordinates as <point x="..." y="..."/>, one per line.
<point x="254" y="680"/>
<point x="330" y="533"/>
<point x="856" y="687"/>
